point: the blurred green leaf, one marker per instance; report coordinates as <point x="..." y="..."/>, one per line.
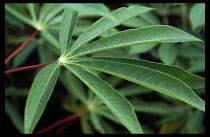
<point x="195" y="122"/>
<point x="197" y="15"/>
<point x="142" y="20"/>
<point x="15" y="91"/>
<point x="167" y="53"/>
<point x="85" y="126"/>
<point x="13" y="20"/>
<point x="33" y="10"/>
<point x="197" y="66"/>
<point x="49" y="11"/>
<point x="73" y="86"/>
<point x="19" y="13"/>
<point x="189" y="51"/>
<point x="90" y="9"/>
<point x="23" y="55"/>
<point x="134" y="89"/>
<point x="141" y="48"/>
<point x="99" y="123"/>
<point x="160" y="108"/>
<point x="50" y="38"/>
<point x="14" y="116"/>
<point x="119" y="105"/>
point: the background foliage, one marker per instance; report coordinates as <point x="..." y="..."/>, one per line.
<point x="157" y="114"/>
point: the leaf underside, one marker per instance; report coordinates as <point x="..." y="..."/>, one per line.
<point x="150" y="77"/>
<point x="150" y="34"/>
<point x="105" y="23"/>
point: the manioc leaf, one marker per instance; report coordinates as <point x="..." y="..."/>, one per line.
<point x="39" y="95"/>
<point x="117" y="103"/>
<point x="105" y="23"/>
<point x="155" y="76"/>
<point x="68" y="23"/>
<point x="18" y="13"/>
<point x="151" y="34"/>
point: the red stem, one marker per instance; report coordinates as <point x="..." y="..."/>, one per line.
<point x="27" y="68"/>
<point x="64" y="127"/>
<point x="22" y="46"/>
<point x="57" y="123"/>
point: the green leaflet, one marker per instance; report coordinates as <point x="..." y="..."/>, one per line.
<point x="112" y="20"/>
<point x="151" y="34"/>
<point x="68" y="23"/>
<point x="197" y="15"/>
<point x="99" y="124"/>
<point x="167" y="53"/>
<point x="89" y="9"/>
<point x="18" y="13"/>
<point x="55" y="9"/>
<point x="50" y="38"/>
<point x="33" y="10"/>
<point x="118" y="104"/>
<point x="193" y="81"/>
<point x="49" y="11"/>
<point x="169" y="81"/>
<point x="39" y="95"/>
<point x="14" y="116"/>
<point x="158" y="107"/>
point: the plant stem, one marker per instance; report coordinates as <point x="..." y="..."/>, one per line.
<point x="57" y="123"/>
<point x="61" y="130"/>
<point x="21" y="47"/>
<point x="27" y="68"/>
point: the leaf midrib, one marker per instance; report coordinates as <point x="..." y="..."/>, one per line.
<point x="107" y="101"/>
<point x="128" y="44"/>
<point x="38" y="102"/>
<point x="71" y="51"/>
<point x="132" y="79"/>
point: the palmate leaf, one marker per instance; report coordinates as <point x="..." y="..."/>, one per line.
<point x="50" y="38"/>
<point x="105" y="23"/>
<point x="33" y="10"/>
<point x="39" y="95"/>
<point x="117" y="103"/>
<point x="151" y="34"/>
<point x="18" y="13"/>
<point x="169" y="81"/>
<point x="49" y="11"/>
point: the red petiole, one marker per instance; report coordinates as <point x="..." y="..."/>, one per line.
<point x="67" y="119"/>
<point x="27" y="68"/>
<point x="22" y="46"/>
